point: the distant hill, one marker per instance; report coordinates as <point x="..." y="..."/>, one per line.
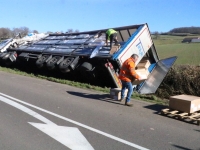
<point x="186" y="30"/>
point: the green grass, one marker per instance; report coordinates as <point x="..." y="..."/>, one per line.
<point x="187" y="53"/>
<point x="148" y="98"/>
<point x="53" y="79"/>
<point x="168" y="46"/>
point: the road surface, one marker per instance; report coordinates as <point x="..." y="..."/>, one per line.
<point x="37" y="114"/>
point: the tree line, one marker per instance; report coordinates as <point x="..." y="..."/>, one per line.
<point x="191" y="30"/>
<point x="10" y="33"/>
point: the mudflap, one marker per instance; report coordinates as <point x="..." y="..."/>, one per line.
<point x="113" y="75"/>
<point x="13" y="57"/>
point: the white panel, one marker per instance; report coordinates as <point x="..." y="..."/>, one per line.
<point x="139" y="45"/>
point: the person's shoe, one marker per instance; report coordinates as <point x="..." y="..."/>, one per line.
<point x="129" y="104"/>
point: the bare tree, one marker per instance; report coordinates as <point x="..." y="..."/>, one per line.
<point x="22" y="30"/>
<point x="70" y="30"/>
<point x="35" y="31"/>
<point x="5" y="33"/>
<point x="15" y="31"/>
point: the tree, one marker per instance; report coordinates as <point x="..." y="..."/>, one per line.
<point x="156" y="34"/>
<point x="5" y="33"/>
<point x="35" y="31"/>
<point x="192" y="30"/>
<point x="70" y="30"/>
<point x="22" y="30"/>
<point x="15" y="31"/>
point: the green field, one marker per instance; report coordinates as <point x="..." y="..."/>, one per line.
<point x="188" y="53"/>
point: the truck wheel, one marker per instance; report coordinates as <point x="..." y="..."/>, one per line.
<point x="86" y="66"/>
<point x="64" y="65"/>
<point x="51" y="64"/>
<point x="86" y="72"/>
<point x="41" y="60"/>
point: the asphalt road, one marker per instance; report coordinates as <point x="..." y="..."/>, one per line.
<point x="42" y="115"/>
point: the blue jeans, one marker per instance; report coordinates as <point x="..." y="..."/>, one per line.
<point x="129" y="86"/>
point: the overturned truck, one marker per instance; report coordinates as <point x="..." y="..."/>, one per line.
<point x="84" y="54"/>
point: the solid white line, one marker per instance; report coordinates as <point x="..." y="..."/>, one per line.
<point x="68" y="136"/>
<point x="79" y="124"/>
<point x="26" y="110"/>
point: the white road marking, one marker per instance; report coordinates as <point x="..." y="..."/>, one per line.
<point x="68" y="136"/>
<point x="79" y="124"/>
<point x="26" y="110"/>
<point x="71" y="137"/>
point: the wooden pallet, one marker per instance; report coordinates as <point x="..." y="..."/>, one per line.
<point x="194" y="117"/>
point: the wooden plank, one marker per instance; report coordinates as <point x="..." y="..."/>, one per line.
<point x="182" y="115"/>
<point x="194" y="115"/>
<point x="173" y="112"/>
<point x="165" y="110"/>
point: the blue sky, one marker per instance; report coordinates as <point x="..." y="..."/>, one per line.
<point x="87" y="15"/>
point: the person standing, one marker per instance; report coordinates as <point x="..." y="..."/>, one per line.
<point x="111" y="35"/>
<point x="127" y="75"/>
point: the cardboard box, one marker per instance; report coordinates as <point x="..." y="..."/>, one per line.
<point x="143" y="73"/>
<point x="114" y="49"/>
<point x="185" y="103"/>
<point x="143" y="64"/>
<point x="115" y="93"/>
<point x="137" y="82"/>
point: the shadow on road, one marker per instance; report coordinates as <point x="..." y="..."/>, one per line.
<point x="156" y="107"/>
<point x="197" y="130"/>
<point x="181" y="147"/>
<point x="101" y="97"/>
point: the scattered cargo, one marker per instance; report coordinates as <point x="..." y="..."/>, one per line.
<point x="115" y="93"/>
<point x="184" y="107"/>
<point x="185" y="103"/>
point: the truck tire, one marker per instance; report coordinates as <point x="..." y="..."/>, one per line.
<point x="86" y="66"/>
<point x="86" y="71"/>
<point x="64" y="65"/>
<point x="51" y="64"/>
<point x="41" y="60"/>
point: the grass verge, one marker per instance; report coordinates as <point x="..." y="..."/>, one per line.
<point x="147" y="98"/>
